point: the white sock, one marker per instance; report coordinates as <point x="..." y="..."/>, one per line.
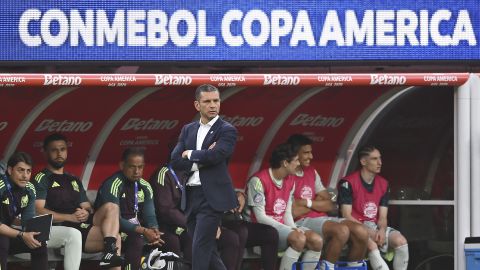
<point x="400" y="261"/>
<point x="289" y="258"/>
<point x="311" y="256"/>
<point x="327" y="265"/>
<point x="376" y="260"/>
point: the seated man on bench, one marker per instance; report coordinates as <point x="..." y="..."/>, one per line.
<point x="363" y="198"/>
<point x="17" y="195"/>
<point x="63" y="195"/>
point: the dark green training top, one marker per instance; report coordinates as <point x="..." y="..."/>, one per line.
<point x="16" y="200"/>
<point x="119" y="190"/>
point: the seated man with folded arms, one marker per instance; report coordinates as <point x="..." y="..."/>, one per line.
<point x="63" y="195"/>
<point x="17" y="196"/>
<point x="363" y="198"/>
<point x="270" y="197"/>
<point x="127" y="189"/>
<point x="312" y="202"/>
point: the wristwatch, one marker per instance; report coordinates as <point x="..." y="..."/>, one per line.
<point x="20" y="235"/>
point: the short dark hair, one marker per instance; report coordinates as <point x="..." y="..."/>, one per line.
<point x="53" y="137"/>
<point x="204" y="88"/>
<point x="299" y="140"/>
<point x="284" y="151"/>
<point x="18" y="157"/>
<point x="364" y="151"/>
<point x="132" y="151"/>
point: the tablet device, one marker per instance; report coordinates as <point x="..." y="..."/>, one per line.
<point x="41" y="224"/>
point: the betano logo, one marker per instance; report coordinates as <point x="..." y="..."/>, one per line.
<point x="280" y="80"/>
<point x="51" y="125"/>
<point x="307" y="120"/>
<point x="173" y="80"/>
<point x="3" y="125"/>
<point x="241" y="121"/>
<point x="150" y="124"/>
<point x="387" y="79"/>
<point x="61" y="80"/>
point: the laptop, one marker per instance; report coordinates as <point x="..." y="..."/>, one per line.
<point x="41" y="224"/>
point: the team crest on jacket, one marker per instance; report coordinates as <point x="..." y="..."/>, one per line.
<point x="141" y="196"/>
<point x="370" y="210"/>
<point x="24" y="201"/>
<point x="258" y="198"/>
<point x="306" y="192"/>
<point x="279" y="206"/>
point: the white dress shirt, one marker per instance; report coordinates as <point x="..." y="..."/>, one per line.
<point x="203" y="130"/>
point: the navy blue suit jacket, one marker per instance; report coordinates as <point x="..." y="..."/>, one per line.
<point x="216" y="181"/>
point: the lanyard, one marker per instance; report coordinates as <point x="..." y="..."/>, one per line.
<point x="176" y="178"/>
<point x="136" y="198"/>
<point x="14" y="203"/>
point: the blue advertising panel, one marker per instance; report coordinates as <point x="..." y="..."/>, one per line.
<point x="258" y="30"/>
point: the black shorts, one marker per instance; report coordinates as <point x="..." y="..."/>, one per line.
<point x="84" y="228"/>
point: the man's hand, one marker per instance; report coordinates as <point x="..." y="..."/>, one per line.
<point x="298" y="230"/>
<point x="219" y="232"/>
<point x="30" y="241"/>
<point x="185" y="154"/>
<point x="241" y="201"/>
<point x="73" y="218"/>
<point x="81" y="214"/>
<point x="153" y="236"/>
<point x="380" y="237"/>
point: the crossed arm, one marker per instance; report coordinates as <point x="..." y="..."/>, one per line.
<point x="218" y="152"/>
<point x="321" y="203"/>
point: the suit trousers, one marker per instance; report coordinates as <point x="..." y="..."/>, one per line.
<point x="202" y="223"/>
<point x="178" y="244"/>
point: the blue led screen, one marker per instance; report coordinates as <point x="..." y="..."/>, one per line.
<point x="189" y="30"/>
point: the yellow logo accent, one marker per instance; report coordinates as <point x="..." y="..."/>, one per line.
<point x="141" y="196"/>
<point x="84" y="225"/>
<point x="24" y="201"/>
<point x="179" y="230"/>
<point x="6" y="201"/>
<point x="75" y="186"/>
<point x="55" y="184"/>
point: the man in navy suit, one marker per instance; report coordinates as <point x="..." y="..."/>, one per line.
<point x="203" y="150"/>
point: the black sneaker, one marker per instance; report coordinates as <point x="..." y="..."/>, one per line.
<point x="111" y="259"/>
